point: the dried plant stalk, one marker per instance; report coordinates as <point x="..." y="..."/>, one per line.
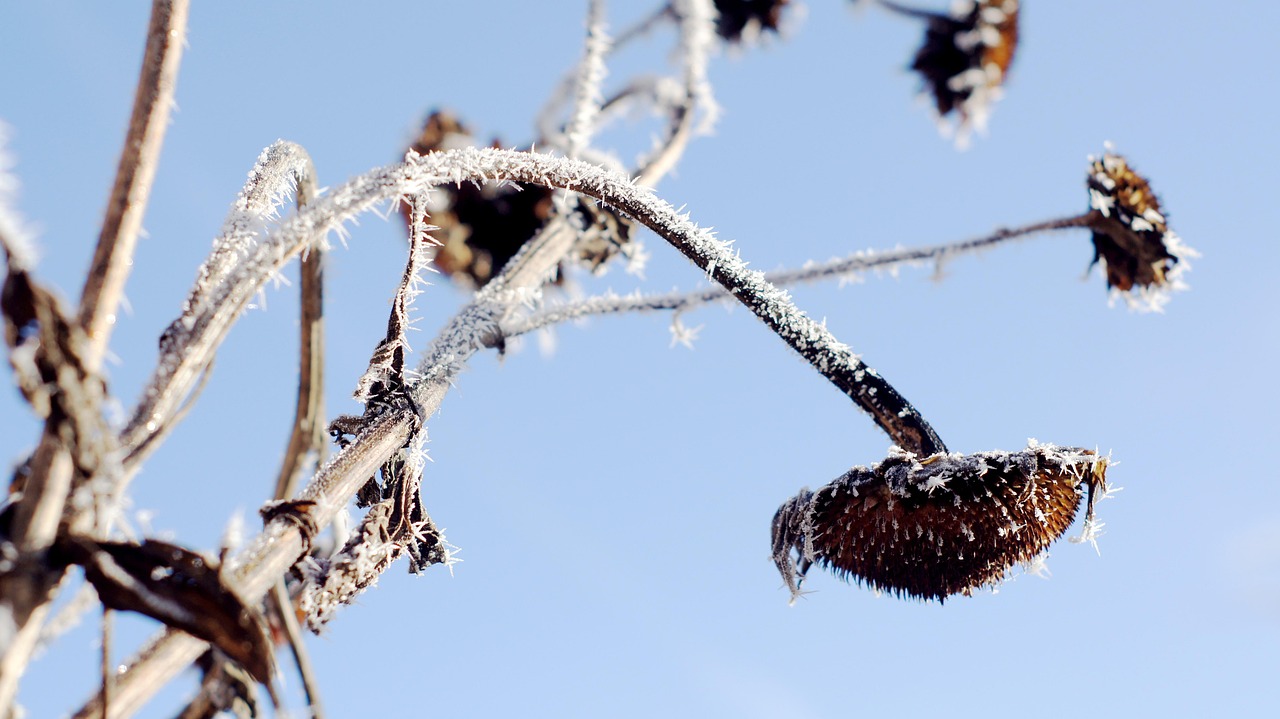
<point x="113" y="258"/>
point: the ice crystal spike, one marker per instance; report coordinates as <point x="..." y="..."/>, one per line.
<point x="1143" y="258"/>
<point x="965" y="58"/>
<point x="934" y="527"/>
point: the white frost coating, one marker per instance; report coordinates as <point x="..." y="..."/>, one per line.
<point x="194" y="341"/>
<point x="591" y="73"/>
<point x="697" y="40"/>
<point x="18" y="246"/>
<point x="842" y="269"/>
<point x="273" y="179"/>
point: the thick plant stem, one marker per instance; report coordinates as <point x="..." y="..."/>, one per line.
<point x="100" y="300"/>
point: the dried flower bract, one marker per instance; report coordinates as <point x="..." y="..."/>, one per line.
<point x="966" y="57"/>
<point x="744" y="20"/>
<point x="944" y="525"/>
<point x="1143" y="258"/>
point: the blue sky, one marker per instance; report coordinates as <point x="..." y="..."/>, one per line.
<point x="612" y="500"/>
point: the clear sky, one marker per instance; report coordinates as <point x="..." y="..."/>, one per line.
<point x="612" y="500"/>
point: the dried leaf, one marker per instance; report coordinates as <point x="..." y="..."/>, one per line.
<point x="945" y="525"/>
<point x="178" y="587"/>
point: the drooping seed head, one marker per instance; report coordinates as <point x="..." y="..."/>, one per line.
<point x="944" y="525"/>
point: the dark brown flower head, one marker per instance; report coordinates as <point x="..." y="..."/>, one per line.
<point x="745" y="19"/>
<point x="948" y="524"/>
<point x="1143" y="258"/>
<point x="966" y="56"/>
<point x="481" y="227"/>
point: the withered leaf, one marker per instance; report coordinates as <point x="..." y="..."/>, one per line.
<point x="948" y="524"/>
<point x="176" y="586"/>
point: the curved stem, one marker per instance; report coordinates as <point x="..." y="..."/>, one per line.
<point x="834" y="269"/>
<point x="113" y="258"/>
<point x="307" y="435"/>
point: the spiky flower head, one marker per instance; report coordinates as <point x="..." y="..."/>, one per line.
<point x="934" y="527"/>
<point x="1142" y="257"/>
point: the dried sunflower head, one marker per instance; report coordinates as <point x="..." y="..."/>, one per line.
<point x="944" y="525"/>
<point x="481" y="227"/>
<point x="1143" y="258"/>
<point x="741" y="20"/>
<point x="965" y="58"/>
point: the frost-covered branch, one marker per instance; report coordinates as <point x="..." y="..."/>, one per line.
<point x="837" y="269"/>
<point x="697" y="38"/>
<point x="587" y="93"/>
<point x="224" y="285"/>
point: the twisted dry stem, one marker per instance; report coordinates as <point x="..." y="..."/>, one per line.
<point x="254" y="570"/>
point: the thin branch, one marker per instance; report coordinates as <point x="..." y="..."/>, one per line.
<point x="307" y="435"/>
<point x="310" y="686"/>
<point x="547" y="121"/>
<point x="697" y="37"/>
<point x="113" y="258"/>
<point x="106" y="659"/>
<point x="842" y="268"/>
<point x="591" y="73"/>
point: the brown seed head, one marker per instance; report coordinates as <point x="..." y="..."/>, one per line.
<point x="1131" y="235"/>
<point x="944" y="525"/>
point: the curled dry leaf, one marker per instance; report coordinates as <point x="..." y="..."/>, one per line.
<point x="1142" y="256"/>
<point x="481" y="227"/>
<point x="944" y="525"/>
<point x="966" y="56"/>
<point x="743" y="20"/>
<point x="178" y="587"/>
